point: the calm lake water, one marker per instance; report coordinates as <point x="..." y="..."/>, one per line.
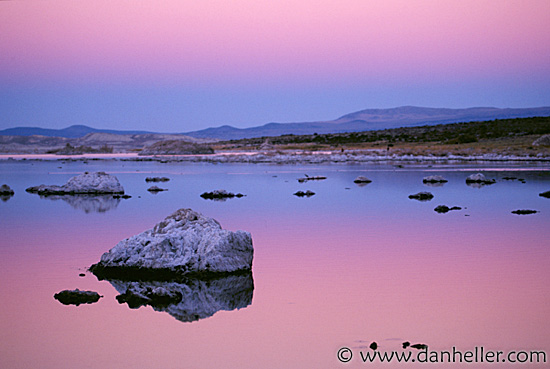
<point x="346" y="267"/>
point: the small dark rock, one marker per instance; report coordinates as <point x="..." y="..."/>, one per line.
<point x="422" y="196"/>
<point x="444" y="208"/>
<point x="220" y="195"/>
<point x="545" y="194"/>
<point x="82" y="275"/>
<point x="156" y="189"/>
<point x="509" y="178"/>
<point x="420" y="346"/>
<point x="434" y="179"/>
<point x="157" y="179"/>
<point x="373" y="346"/>
<point x="524" y="211"/>
<point x="77" y="297"/>
<point x="6" y="190"/>
<point x="362" y="179"/>
<point x="308" y="193"/>
<point x="479" y="178"/>
<point x="308" y="178"/>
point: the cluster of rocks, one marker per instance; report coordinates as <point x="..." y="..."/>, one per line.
<point x="186" y="265"/>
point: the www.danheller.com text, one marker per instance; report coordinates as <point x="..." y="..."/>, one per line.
<point x="476" y="355"/>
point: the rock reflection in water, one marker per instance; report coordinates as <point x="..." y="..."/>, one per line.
<point x="190" y="300"/>
<point x="5" y="198"/>
<point x="87" y="203"/>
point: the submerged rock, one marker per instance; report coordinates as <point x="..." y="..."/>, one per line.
<point x="220" y="195"/>
<point x="422" y="196"/>
<point x="157" y="179"/>
<point x="308" y="193"/>
<point x="188" y="300"/>
<point x="445" y="209"/>
<point x="545" y="194"/>
<point x="524" y="211"/>
<point x="480" y="179"/>
<point x="87" y="183"/>
<point x="77" y="297"/>
<point x="361" y="179"/>
<point x="185" y="243"/>
<point x="434" y="179"/>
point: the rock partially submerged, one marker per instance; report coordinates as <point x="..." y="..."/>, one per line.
<point x="156" y="189"/>
<point x="361" y="179"/>
<point x="308" y="178"/>
<point x="77" y="297"/>
<point x="434" y="179"/>
<point x="545" y="194"/>
<point x="188" y="300"/>
<point x="88" y="183"/>
<point x="186" y="243"/>
<point x="422" y="196"/>
<point x="157" y="179"/>
<point x="220" y="195"/>
<point x="524" y="211"/>
<point x="6" y="190"/>
<point x="307" y="193"/>
<point x="445" y="209"/>
<point x="479" y="178"/>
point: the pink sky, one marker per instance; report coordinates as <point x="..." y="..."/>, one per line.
<point x="256" y="45"/>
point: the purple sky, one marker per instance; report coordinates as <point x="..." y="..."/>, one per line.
<point x="176" y="66"/>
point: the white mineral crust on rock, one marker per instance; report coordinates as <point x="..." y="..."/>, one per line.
<point x="184" y="242"/>
<point x="87" y="183"/>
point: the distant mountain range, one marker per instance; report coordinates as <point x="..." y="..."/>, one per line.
<point x="75" y="131"/>
<point x="364" y="120"/>
<point x="373" y="119"/>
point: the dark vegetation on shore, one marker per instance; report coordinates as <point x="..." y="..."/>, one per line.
<point x="512" y="134"/>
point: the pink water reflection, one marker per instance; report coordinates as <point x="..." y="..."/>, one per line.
<point x="343" y="277"/>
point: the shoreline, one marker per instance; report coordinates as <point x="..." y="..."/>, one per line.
<point x="288" y="157"/>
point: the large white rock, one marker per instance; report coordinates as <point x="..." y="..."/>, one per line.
<point x="185" y="242"/>
<point x="87" y="183"/>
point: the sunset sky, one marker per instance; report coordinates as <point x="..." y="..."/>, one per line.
<point x="178" y="65"/>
